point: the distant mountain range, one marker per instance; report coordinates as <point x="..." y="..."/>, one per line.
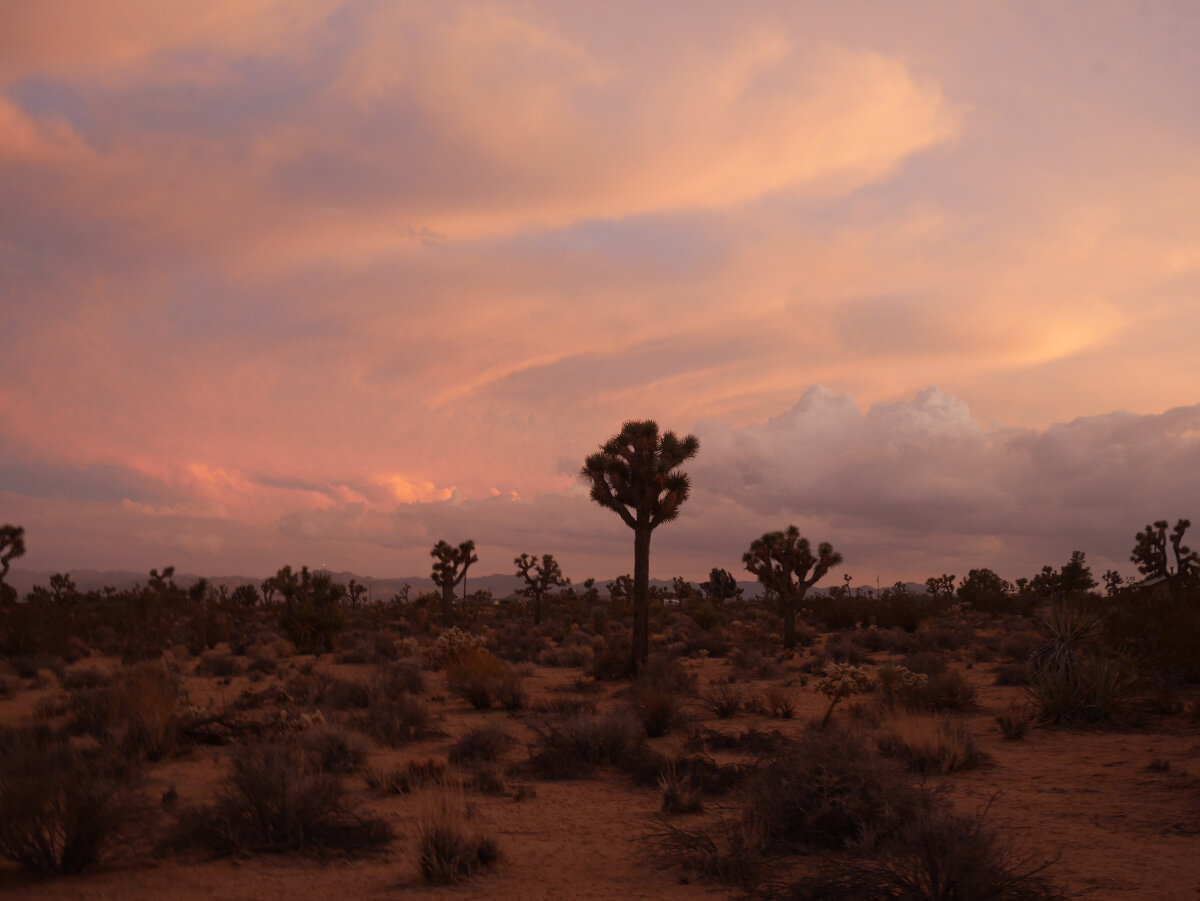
<point x="499" y="584"/>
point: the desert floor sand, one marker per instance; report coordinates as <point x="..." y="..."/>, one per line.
<point x="1119" y="812"/>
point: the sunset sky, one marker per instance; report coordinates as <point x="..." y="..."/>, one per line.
<point x="323" y="281"/>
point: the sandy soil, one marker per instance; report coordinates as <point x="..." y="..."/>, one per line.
<point x="1119" y="827"/>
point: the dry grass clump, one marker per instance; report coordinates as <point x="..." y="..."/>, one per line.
<point x="724" y="700"/>
<point x="393" y="679"/>
<point x="346" y="694"/>
<point x="61" y="809"/>
<point x="1014" y="721"/>
<point x="576" y="745"/>
<point x="830" y="791"/>
<point x="940" y="856"/>
<point x="450" y="847"/>
<point x="931" y="746"/>
<point x="657" y="709"/>
<point x="397" y="720"/>
<point x="332" y="749"/>
<point x="139" y="712"/>
<point x="402" y="780"/>
<point x="680" y="789"/>
<point x="482" y="743"/>
<point x="218" y="666"/>
<point x="274" y="800"/>
<point x="483" y="680"/>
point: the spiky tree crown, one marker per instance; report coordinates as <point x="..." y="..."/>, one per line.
<point x="636" y="473"/>
<point x="449" y="558"/>
<point x="539" y="577"/>
<point x="777" y="557"/>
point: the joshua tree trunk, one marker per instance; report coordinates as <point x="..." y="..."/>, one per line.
<point x="789" y="621"/>
<point x="447" y="604"/>
<point x="641" y="598"/>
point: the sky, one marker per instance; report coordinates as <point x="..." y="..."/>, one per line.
<point x="320" y="282"/>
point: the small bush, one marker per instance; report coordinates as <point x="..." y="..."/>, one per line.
<point x="394" y="679"/>
<point x="731" y="851"/>
<point x="405" y="779"/>
<point x="1014" y="722"/>
<point x="398" y="720"/>
<point x="481" y="680"/>
<point x="138" y="713"/>
<point x="831" y="791"/>
<point x="1095" y="690"/>
<point x="449" y="849"/>
<point x="218" y="666"/>
<point x="941" y="856"/>
<point x="575" y="746"/>
<point x="273" y="800"/>
<point x="778" y="703"/>
<point x="483" y="743"/>
<point x="333" y="750"/>
<point x="724" y="700"/>
<point x="347" y="694"/>
<point x="680" y="790"/>
<point x="931" y="746"/>
<point x="61" y="809"/>
<point x="658" y="710"/>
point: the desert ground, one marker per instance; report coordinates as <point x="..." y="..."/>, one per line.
<point x="561" y="782"/>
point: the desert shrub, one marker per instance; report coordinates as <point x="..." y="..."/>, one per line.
<point x="724" y="700"/>
<point x="449" y="847"/>
<point x="566" y="706"/>
<point x="664" y="673"/>
<point x="1014" y="721"/>
<point x="931" y="663"/>
<point x="480" y="679"/>
<point x="943" y="692"/>
<point x="752" y="741"/>
<point x="831" y="791"/>
<point x="898" y="685"/>
<point x="402" y="780"/>
<point x="272" y="800"/>
<point x="841" y="681"/>
<point x="843" y="649"/>
<point x="218" y="666"/>
<point x="139" y="712"/>
<point x="940" y="856"/>
<point x="486" y="742"/>
<point x="394" y="679"/>
<point x="777" y="702"/>
<point x="61" y="809"/>
<point x="452" y="644"/>
<point x="9" y="685"/>
<point x="731" y="851"/>
<point x="1093" y="690"/>
<point x="346" y="694"/>
<point x="334" y="750"/>
<point x="85" y="677"/>
<point x="610" y="658"/>
<point x="576" y="745"/>
<point x="658" y="710"/>
<point x="680" y="790"/>
<point x="397" y="720"/>
<point x="930" y="746"/>
<point x="1012" y="673"/>
<point x="27" y="666"/>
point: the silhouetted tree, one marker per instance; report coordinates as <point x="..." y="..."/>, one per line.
<point x="12" y="545"/>
<point x="1150" y="554"/>
<point x="941" y="587"/>
<point x="721" y="586"/>
<point x="1113" y="581"/>
<point x="785" y="564"/>
<point x="539" y="578"/>
<point x="636" y="474"/>
<point x="450" y="569"/>
<point x="1075" y="577"/>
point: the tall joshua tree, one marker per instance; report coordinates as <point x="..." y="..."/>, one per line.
<point x="1150" y="553"/>
<point x="636" y="474"/>
<point x="784" y="563"/>
<point x="539" y="578"/>
<point x="450" y="569"/>
<point x="12" y="544"/>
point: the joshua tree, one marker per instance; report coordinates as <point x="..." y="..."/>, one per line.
<point x="450" y="569"/>
<point x="721" y="586"/>
<point x="636" y="474"/>
<point x="12" y="544"/>
<point x="539" y="578"/>
<point x="1150" y="553"/>
<point x="784" y="563"/>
